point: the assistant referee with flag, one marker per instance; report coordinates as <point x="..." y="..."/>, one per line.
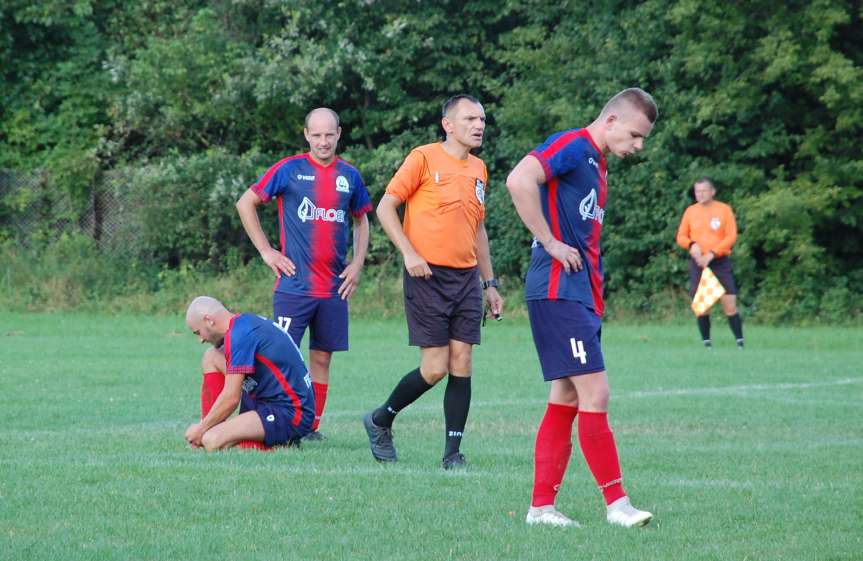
<point x="708" y="231"/>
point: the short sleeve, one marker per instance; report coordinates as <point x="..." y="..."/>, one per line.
<point x="360" y="201"/>
<point x="559" y="154"/>
<point x="271" y="184"/>
<point x="408" y="177"/>
<point x="239" y="350"/>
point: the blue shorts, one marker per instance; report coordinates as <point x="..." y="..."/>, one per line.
<point x="567" y="337"/>
<point x="326" y="318"/>
<point x="276" y="419"/>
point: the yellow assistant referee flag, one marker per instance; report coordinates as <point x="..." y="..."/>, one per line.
<point x="709" y="291"/>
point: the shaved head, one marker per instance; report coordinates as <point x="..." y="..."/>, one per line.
<point x="322" y="112"/>
<point x="201" y="306"/>
<point x="208" y="319"/>
<point x="629" y="99"/>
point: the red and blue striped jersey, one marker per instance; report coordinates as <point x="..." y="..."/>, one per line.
<point x="272" y="364"/>
<point x="573" y="202"/>
<point x="315" y="207"/>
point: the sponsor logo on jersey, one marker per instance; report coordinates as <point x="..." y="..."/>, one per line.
<point x="302" y="177"/>
<point x="589" y="209"/>
<point x="342" y="185"/>
<point x="715" y="223"/>
<point x="308" y="211"/>
<point x="480" y="191"/>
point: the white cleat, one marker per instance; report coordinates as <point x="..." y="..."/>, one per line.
<point x="549" y="515"/>
<point x="622" y="513"/>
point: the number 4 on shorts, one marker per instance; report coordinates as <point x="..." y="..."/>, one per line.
<point x="578" y="350"/>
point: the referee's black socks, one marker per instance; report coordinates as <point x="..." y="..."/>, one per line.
<point x="704" y="327"/>
<point x="408" y="390"/>
<point x="456" y="404"/>
<point x="737" y="328"/>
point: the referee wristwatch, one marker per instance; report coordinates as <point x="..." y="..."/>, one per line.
<point x="489" y="283"/>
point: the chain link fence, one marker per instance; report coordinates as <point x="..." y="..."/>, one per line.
<point x="31" y="211"/>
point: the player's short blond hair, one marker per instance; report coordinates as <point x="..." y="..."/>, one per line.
<point x="636" y="98"/>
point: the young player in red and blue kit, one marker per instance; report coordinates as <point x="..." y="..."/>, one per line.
<point x="559" y="191"/>
<point x="318" y="196"/>
<point x="263" y="373"/>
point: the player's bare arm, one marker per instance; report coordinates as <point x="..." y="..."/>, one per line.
<point x="388" y="216"/>
<point x="224" y="405"/>
<point x="247" y="207"/>
<point x="351" y="274"/>
<point x="523" y="184"/>
<point x="483" y="257"/>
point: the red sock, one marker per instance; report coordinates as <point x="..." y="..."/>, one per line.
<point x="320" y="402"/>
<point x="600" y="451"/>
<point x="211" y="387"/>
<point x="551" y="452"/>
<point x="253" y="445"/>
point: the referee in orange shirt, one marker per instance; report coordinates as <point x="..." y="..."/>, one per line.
<point x="708" y="231"/>
<point x="447" y="265"/>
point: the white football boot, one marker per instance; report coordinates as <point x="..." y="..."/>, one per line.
<point x="622" y="513"/>
<point x="549" y="515"/>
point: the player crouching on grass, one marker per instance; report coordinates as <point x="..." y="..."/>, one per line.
<point x="260" y="369"/>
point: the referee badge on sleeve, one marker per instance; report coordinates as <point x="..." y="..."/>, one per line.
<point x="480" y="191"/>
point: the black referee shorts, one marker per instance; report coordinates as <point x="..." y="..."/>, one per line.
<point x="721" y="267"/>
<point x="447" y="305"/>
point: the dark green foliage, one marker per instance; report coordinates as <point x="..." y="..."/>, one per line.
<point x="168" y="110"/>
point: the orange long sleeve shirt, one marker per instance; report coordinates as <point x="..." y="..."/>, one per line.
<point x="711" y="226"/>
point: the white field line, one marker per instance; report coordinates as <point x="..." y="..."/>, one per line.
<point x="740" y="390"/>
<point x="744" y="390"/>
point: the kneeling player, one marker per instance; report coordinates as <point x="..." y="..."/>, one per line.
<point x="264" y="374"/>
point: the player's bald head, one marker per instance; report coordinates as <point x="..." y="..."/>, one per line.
<point x="629" y="100"/>
<point x="201" y="306"/>
<point x="322" y="116"/>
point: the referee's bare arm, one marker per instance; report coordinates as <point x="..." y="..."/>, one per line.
<point x="523" y="184"/>
<point x="388" y="216"/>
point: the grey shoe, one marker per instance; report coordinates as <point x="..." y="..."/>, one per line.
<point x="313" y="436"/>
<point x="455" y="460"/>
<point x="380" y="440"/>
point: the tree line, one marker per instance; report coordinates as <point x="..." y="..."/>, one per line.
<point x="175" y="106"/>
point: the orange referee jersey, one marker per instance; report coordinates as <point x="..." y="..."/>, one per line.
<point x="712" y="227"/>
<point x="445" y="204"/>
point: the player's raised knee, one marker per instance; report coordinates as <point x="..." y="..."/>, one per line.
<point x="213" y="360"/>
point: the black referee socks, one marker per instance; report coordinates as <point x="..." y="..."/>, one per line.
<point x="704" y="327"/>
<point x="456" y="404"/>
<point x="408" y="390"/>
<point x="736" y="327"/>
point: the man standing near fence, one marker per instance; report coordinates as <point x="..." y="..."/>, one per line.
<point x="559" y="191"/>
<point x="446" y="254"/>
<point x="318" y="195"/>
<point x="708" y="231"/>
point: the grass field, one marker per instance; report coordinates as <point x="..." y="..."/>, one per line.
<point x="752" y="455"/>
